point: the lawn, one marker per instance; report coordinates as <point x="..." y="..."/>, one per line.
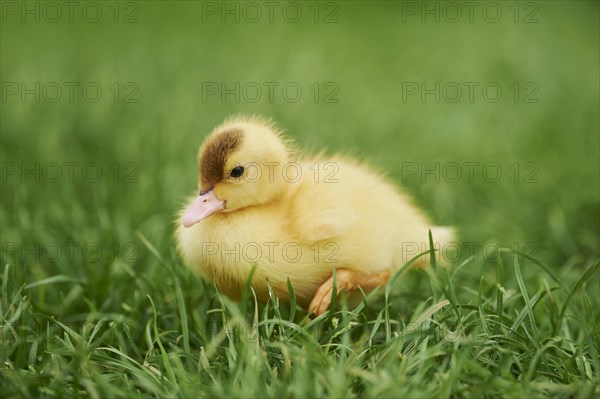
<point x="488" y="114"/>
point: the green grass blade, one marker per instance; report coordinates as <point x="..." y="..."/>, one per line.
<point x="588" y="273"/>
<point x="523" y="290"/>
<point x="540" y="264"/>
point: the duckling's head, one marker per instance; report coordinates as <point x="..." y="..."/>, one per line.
<point x="240" y="165"/>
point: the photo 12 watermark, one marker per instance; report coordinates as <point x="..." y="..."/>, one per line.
<point x="525" y="172"/>
<point x="90" y="252"/>
<point x="269" y="92"/>
<point x="70" y="92"/>
<point x="289" y="172"/>
<point x="69" y="172"/>
<point x="452" y="12"/>
<point x="454" y="251"/>
<point x="53" y="12"/>
<point x="269" y="252"/>
<point x="469" y="92"/>
<point x="252" y="12"/>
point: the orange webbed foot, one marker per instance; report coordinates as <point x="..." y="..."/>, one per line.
<point x="345" y="280"/>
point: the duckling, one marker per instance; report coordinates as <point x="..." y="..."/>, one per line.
<point x="263" y="206"/>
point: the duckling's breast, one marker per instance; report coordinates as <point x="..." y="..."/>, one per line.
<point x="225" y="248"/>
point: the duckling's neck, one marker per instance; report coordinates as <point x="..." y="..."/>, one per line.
<point x="280" y="200"/>
<point x="272" y="205"/>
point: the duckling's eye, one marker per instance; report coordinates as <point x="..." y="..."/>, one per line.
<point x="237" y="171"/>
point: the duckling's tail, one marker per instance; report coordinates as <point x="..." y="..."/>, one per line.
<point x="443" y="235"/>
<point x="444" y="242"/>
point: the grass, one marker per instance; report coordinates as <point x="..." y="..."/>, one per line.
<point x="96" y="303"/>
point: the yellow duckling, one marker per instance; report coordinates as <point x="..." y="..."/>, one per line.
<point x="294" y="218"/>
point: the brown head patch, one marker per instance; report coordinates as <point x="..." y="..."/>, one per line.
<point x="215" y="154"/>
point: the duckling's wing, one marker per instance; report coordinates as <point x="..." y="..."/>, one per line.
<point x="324" y="224"/>
<point x="322" y="211"/>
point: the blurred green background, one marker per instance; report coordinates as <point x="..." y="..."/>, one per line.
<point x="91" y="182"/>
<point x="364" y="56"/>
